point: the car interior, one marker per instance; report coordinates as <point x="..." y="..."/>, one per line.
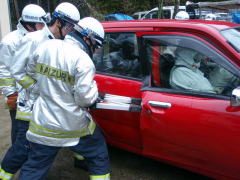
<point x="163" y="60"/>
<point x="119" y="55"/>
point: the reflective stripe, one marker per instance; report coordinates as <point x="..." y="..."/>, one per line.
<point x="78" y="156"/>
<point x="27" y="81"/>
<point x="5" y="175"/>
<point x="40" y="130"/>
<point x="55" y="73"/>
<point x="100" y="177"/>
<point x="23" y="116"/>
<point x="7" y="82"/>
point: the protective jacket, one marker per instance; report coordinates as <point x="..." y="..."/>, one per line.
<point x="64" y="74"/>
<point x="186" y="75"/>
<point x="8" y="46"/>
<point x="26" y="47"/>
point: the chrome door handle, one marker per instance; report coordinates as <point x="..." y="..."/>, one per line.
<point x="159" y="104"/>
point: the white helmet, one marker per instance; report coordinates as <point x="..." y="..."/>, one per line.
<point x="92" y="28"/>
<point x="67" y="12"/>
<point x="210" y="17"/>
<point x="182" y="15"/>
<point x="33" y="13"/>
<point x="188" y="2"/>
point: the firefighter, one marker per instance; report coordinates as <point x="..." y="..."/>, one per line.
<point x="79" y="160"/>
<point x="32" y="19"/>
<point x="64" y="17"/>
<point x="64" y="74"/>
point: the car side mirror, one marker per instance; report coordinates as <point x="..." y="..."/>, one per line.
<point x="235" y="97"/>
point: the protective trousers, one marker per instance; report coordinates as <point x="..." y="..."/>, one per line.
<point x="92" y="147"/>
<point x="17" y="154"/>
<point x="14" y="125"/>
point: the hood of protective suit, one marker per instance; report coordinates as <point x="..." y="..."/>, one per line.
<point x="189" y="58"/>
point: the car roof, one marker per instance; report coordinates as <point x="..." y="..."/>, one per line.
<point x="210" y="29"/>
<point x="169" y="23"/>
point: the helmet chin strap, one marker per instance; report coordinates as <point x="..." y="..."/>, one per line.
<point x="90" y="47"/>
<point x="34" y="27"/>
<point x="60" y="31"/>
<point x="90" y="53"/>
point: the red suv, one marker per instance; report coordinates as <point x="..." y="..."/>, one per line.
<point x="183" y="78"/>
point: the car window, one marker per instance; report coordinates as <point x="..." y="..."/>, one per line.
<point x="154" y="14"/>
<point x="149" y="15"/>
<point x="186" y="64"/>
<point x="119" y="56"/>
<point x="232" y="36"/>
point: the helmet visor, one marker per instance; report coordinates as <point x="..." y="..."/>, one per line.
<point x="68" y="27"/>
<point x="47" y="18"/>
<point x="64" y="18"/>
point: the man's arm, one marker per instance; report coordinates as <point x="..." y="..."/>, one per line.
<point x="20" y="60"/>
<point x="85" y="88"/>
<point x="7" y="81"/>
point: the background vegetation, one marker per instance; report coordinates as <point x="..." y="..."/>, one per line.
<point x="96" y="8"/>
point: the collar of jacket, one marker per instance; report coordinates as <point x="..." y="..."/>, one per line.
<point x="74" y="39"/>
<point x="48" y="32"/>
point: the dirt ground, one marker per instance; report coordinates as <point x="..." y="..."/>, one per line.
<point x="124" y="165"/>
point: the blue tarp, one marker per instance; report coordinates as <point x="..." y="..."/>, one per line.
<point x="117" y="17"/>
<point x="236" y="17"/>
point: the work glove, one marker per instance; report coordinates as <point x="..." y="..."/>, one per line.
<point x="12" y="101"/>
<point x="99" y="99"/>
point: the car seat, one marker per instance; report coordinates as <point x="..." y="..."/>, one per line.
<point x="167" y="62"/>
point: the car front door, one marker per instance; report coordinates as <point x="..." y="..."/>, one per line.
<point x="186" y="115"/>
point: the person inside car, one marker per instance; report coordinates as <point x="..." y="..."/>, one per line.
<point x="186" y="75"/>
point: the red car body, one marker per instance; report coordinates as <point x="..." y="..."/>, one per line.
<point x="197" y="131"/>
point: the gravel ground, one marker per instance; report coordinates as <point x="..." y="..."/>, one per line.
<point x="125" y="165"/>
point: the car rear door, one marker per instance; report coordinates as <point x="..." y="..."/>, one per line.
<point x="191" y="128"/>
<point x="119" y="73"/>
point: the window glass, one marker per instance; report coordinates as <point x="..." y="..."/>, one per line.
<point x="154" y="15"/>
<point x="232" y="36"/>
<point x="186" y="64"/>
<point x="148" y="16"/>
<point x="119" y="55"/>
<point x="167" y="14"/>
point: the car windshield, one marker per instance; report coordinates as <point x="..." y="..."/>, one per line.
<point x="233" y="37"/>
